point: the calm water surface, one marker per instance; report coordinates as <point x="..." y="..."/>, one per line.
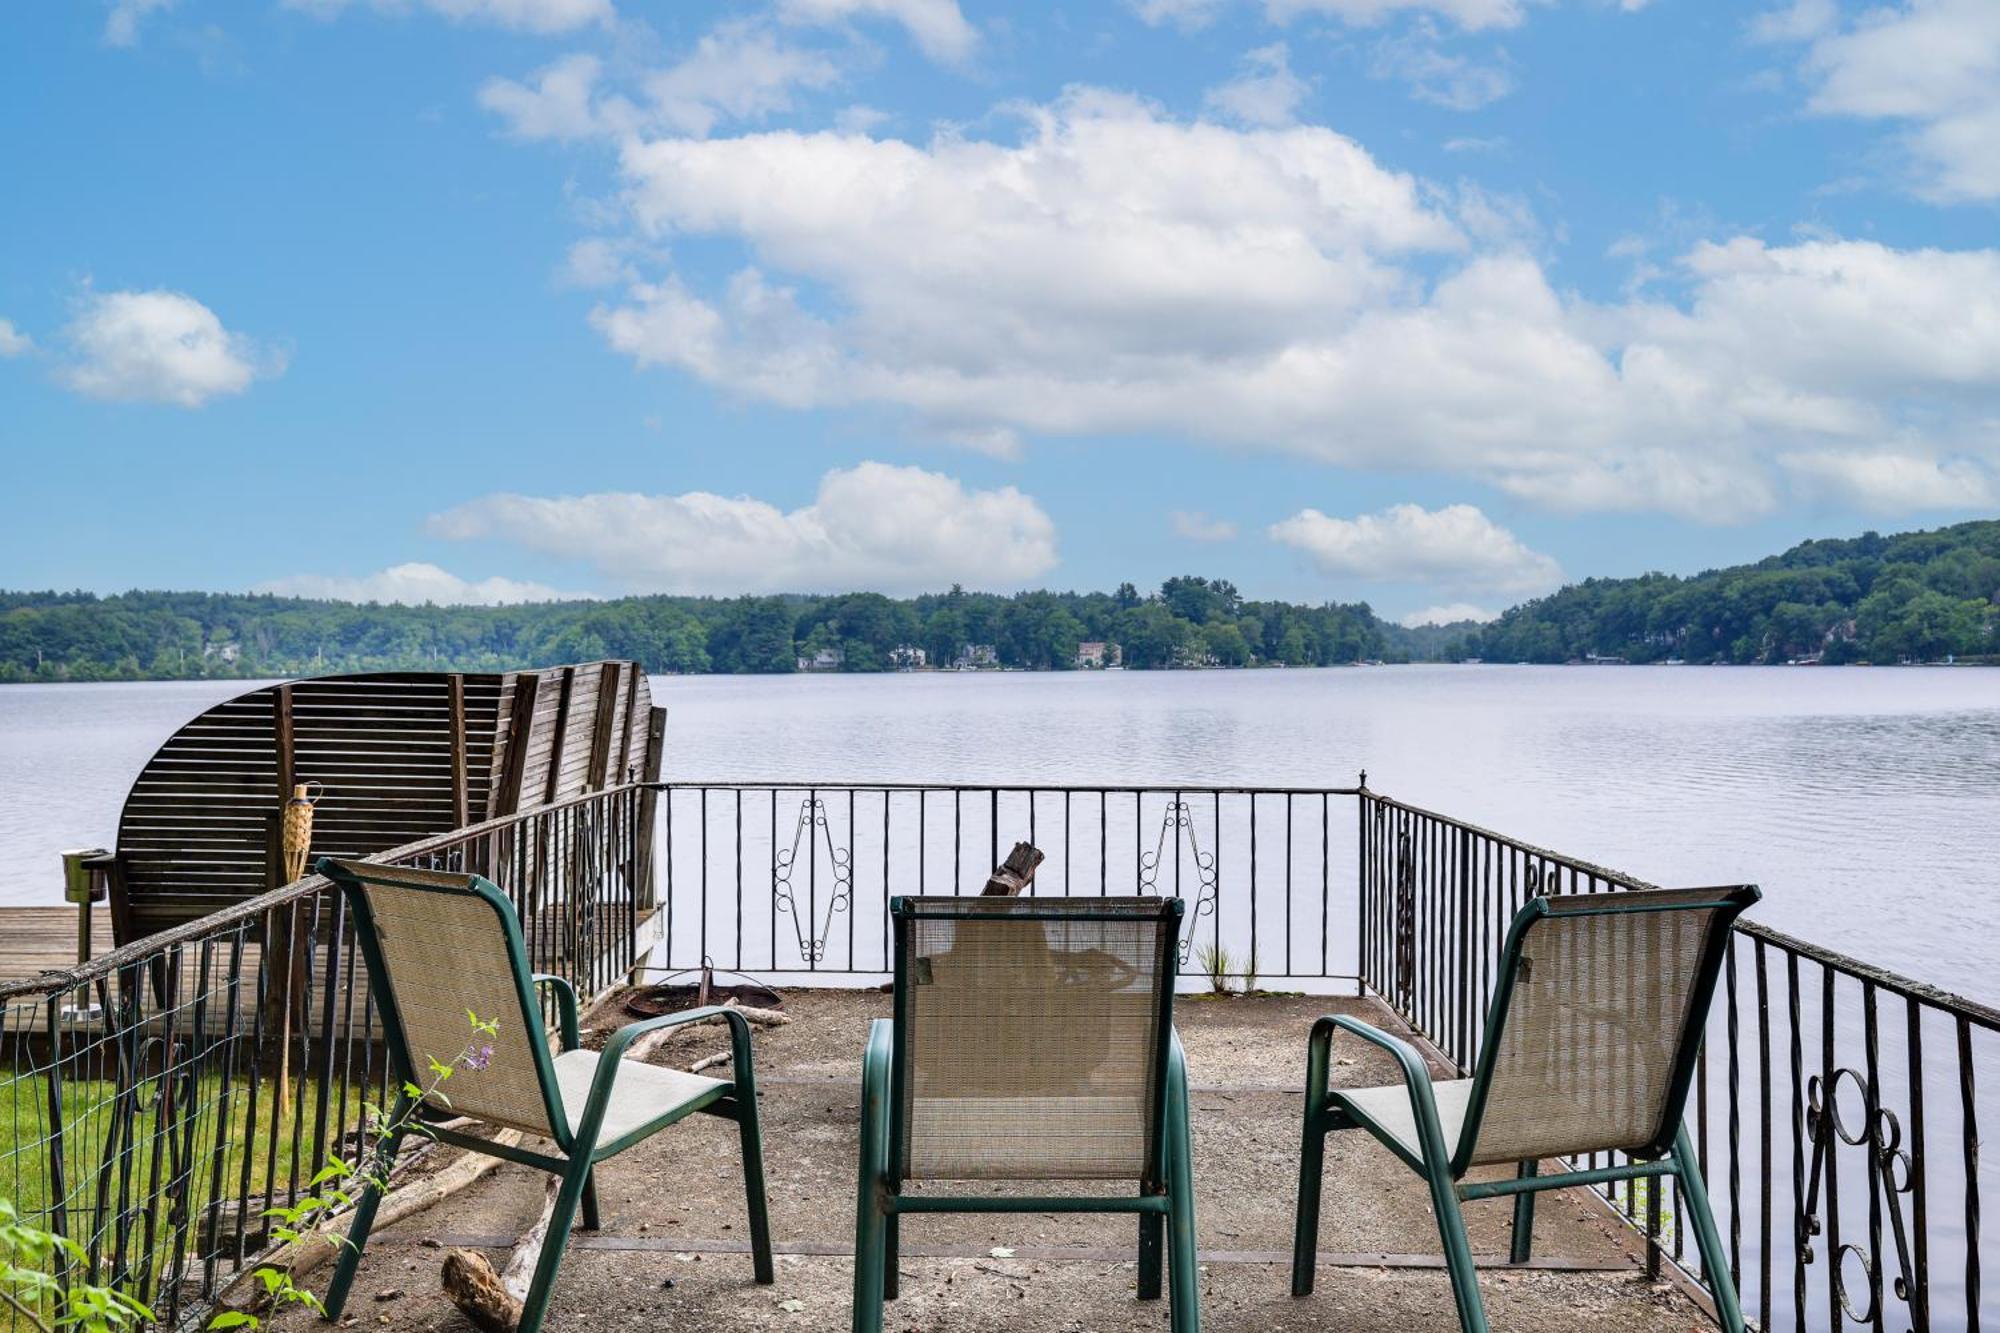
<point x="1864" y="802"/>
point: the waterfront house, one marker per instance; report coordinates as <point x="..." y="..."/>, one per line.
<point x="823" y="659"/>
<point x="1095" y="654"/>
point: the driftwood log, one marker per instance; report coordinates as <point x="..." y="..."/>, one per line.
<point x="312" y="1252"/>
<point x="1014" y="874"/>
<point x="493" y="1301"/>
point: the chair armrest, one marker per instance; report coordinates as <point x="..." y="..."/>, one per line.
<point x="565" y="1006"/>
<point x="1416" y="1073"/>
<point x="1416" y="1078"/>
<point x="877" y="1153"/>
<point x="614" y="1052"/>
<point x="739" y="1032"/>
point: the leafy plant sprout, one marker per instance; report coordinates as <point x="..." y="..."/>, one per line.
<point x="339" y="1176"/>
<point x="38" y="1298"/>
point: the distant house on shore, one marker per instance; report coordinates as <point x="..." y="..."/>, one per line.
<point x="1095" y="654"/>
<point x="826" y="659"/>
<point x="975" y="656"/>
<point x="907" y="657"/>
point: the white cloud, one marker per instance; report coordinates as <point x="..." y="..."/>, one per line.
<point x="1471" y="15"/>
<point x="1459" y="83"/>
<point x="1266" y="93"/>
<point x="1113" y="271"/>
<point x="1894" y="483"/>
<point x="936" y="26"/>
<point x="1196" y="526"/>
<point x="13" y="342"/>
<point x="162" y="347"/>
<point x="546" y="17"/>
<point x="1456" y="547"/>
<point x="557" y="105"/>
<point x="893" y="529"/>
<point x="739" y="71"/>
<point x="596" y="261"/>
<point x="858" y="119"/>
<point x="1451" y="613"/>
<point x="121" y="25"/>
<point x="1187" y="15"/>
<point x="1800" y="21"/>
<point x="414" y="584"/>
<point x="1932" y="66"/>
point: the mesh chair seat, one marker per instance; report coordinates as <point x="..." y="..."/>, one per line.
<point x="642" y="1095"/>
<point x="1387" y="1110"/>
<point x="1064" y="1138"/>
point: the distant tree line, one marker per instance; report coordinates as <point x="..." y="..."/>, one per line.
<point x="1189" y="622"/>
<point x="1919" y="596"/>
<point x="1915" y="597"/>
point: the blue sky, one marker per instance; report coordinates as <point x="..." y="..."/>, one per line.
<point x="1432" y="302"/>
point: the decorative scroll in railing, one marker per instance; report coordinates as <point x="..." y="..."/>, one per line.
<point x="796" y="878"/>
<point x="157" y="1101"/>
<point x="1837" y="1108"/>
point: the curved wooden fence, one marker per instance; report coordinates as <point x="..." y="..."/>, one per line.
<point x="398" y="756"/>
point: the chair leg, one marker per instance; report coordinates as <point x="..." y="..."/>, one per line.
<point x="561" y="1217"/>
<point x="592" y="1219"/>
<point x="1523" y="1247"/>
<point x="1714" y="1259"/>
<point x="1152" y="1253"/>
<point x="892" y="1245"/>
<point x="1312" y="1165"/>
<point x="1185" y="1311"/>
<point x="870" y="1217"/>
<point x="751" y="1137"/>
<point x="1457" y="1251"/>
<point x="364" y="1221"/>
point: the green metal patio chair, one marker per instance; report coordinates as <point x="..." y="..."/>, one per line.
<point x="438" y="945"/>
<point x="1590" y="1047"/>
<point x="1032" y="1040"/>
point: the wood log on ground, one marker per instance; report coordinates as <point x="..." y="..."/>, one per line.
<point x="1012" y="875"/>
<point x="310" y="1253"/>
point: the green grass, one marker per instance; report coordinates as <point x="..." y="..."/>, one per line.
<point x="92" y="1198"/>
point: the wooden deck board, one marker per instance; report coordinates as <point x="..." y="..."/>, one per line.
<point x="34" y="940"/>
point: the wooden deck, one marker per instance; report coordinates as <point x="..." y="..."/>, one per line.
<point x="34" y="940"/>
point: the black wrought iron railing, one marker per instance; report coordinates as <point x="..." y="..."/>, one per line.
<point x="1837" y="1108"/>
<point x="795" y="878"/>
<point x="157" y="1101"/>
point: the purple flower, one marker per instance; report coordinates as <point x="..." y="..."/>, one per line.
<point x="480" y="1056"/>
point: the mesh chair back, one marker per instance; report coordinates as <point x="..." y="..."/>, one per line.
<point x="443" y="944"/>
<point x="1593" y="1045"/>
<point x="1031" y="1036"/>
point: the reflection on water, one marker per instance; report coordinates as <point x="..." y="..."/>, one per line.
<point x="1840" y="791"/>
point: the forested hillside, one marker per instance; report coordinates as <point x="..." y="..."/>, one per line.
<point x="1918" y="596"/>
<point x="168" y="635"/>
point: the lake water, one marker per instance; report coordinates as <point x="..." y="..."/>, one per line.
<point x="1864" y="801"/>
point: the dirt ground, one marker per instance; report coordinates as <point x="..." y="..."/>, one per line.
<point x="674" y="1249"/>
